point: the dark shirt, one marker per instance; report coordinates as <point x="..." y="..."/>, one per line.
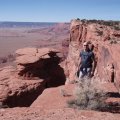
<point x="86" y="59"/>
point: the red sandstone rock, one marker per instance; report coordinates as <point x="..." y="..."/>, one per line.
<point x="17" y="92"/>
<point x="35" y="70"/>
<point x="106" y="42"/>
<point x="41" y="63"/>
<point x="31" y="55"/>
<point x="53" y="98"/>
<point x="52" y="103"/>
<point x="59" y="96"/>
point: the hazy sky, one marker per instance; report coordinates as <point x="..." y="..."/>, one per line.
<point x="58" y="10"/>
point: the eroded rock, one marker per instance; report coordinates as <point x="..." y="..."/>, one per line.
<point x="17" y="92"/>
<point x="35" y="70"/>
<point x="43" y="64"/>
<point x="106" y="48"/>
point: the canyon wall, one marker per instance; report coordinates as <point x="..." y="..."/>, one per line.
<point x="106" y="41"/>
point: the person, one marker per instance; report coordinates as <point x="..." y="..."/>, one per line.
<point x="86" y="66"/>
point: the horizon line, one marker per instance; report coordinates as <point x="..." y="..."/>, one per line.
<point x="57" y="21"/>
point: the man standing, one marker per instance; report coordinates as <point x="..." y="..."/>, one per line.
<point x="86" y="65"/>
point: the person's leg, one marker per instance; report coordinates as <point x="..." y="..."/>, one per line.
<point x="82" y="73"/>
<point x="89" y="72"/>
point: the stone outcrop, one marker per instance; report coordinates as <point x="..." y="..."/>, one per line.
<point x="35" y="70"/>
<point x="41" y="63"/>
<point x="106" y="48"/>
<point x="17" y="92"/>
<point x="38" y="69"/>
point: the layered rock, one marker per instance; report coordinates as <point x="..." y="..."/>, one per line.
<point x="41" y="63"/>
<point x="106" y="48"/>
<point x="35" y="70"/>
<point x="17" y="92"/>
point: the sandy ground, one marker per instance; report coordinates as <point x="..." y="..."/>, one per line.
<point x="54" y="114"/>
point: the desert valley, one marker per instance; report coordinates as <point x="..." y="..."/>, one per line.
<point x="38" y="63"/>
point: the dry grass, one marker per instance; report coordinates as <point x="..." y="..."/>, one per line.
<point x="88" y="95"/>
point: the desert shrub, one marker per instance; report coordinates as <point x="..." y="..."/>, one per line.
<point x="88" y="96"/>
<point x="3" y="60"/>
<point x="117" y="27"/>
<point x="8" y="58"/>
<point x="11" y="57"/>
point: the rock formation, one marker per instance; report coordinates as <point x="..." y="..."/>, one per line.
<point x="36" y="69"/>
<point x="106" y="48"/>
<point x="41" y="63"/>
<point x="17" y="92"/>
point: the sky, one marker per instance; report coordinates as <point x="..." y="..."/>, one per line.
<point x="58" y="10"/>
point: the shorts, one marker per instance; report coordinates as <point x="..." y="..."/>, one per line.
<point x="85" y="72"/>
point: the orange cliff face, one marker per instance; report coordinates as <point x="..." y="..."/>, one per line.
<point x="106" y="48"/>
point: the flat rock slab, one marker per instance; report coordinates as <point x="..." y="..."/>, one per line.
<point x="32" y="55"/>
<point x="54" y="97"/>
<point x="25" y="59"/>
<point x="26" y="51"/>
